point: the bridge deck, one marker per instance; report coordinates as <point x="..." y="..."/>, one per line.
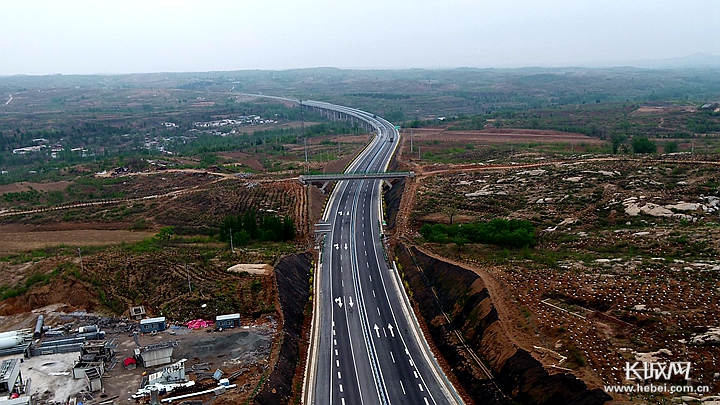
<point x="309" y="178"/>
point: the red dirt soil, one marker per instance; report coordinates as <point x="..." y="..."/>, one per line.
<point x="498" y="136"/>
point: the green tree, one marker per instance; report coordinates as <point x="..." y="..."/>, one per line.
<point x="250" y="224"/>
<point x="643" y="145"/>
<point x="288" y="228"/>
<point x="165" y="233"/>
<point x="670" y="147"/>
<point x="451" y="211"/>
<point x="617" y="140"/>
<point x="241" y="238"/>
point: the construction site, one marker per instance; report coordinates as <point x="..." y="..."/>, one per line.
<point x="85" y="358"/>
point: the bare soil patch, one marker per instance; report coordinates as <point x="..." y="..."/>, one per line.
<point x="263" y="269"/>
<point x="244" y="159"/>
<point x="26" y="186"/>
<point x="653" y="110"/>
<point x="499" y="136"/>
<point x="12" y="241"/>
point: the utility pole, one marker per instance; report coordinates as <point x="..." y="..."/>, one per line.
<point x="411" y="141"/>
<point x="82" y="270"/>
<point x="306" y="157"/>
<point x="302" y="120"/>
<point x="338" y="148"/>
<point x="232" y="249"/>
<point x="302" y="132"/>
<point x="418" y="152"/>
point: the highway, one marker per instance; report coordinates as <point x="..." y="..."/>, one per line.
<point x="366" y="345"/>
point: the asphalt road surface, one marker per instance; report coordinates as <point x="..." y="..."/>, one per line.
<point x="367" y="347"/>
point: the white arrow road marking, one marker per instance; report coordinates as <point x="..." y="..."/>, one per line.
<point x="337" y="246"/>
<point x="338" y="300"/>
<point x="351" y="303"/>
<point x="346" y="246"/>
<point x="340" y="213"/>
<point x="347" y="213"/>
<point x="377" y="330"/>
<point x="391" y="330"/>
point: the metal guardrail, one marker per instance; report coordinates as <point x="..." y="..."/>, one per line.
<point x="309" y="178"/>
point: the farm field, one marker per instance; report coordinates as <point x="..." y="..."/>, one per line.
<point x="13" y="240"/>
<point x="440" y="145"/>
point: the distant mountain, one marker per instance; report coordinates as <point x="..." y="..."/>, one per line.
<point x="696" y="60"/>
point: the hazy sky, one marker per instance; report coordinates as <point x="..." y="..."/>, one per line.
<point x="111" y="36"/>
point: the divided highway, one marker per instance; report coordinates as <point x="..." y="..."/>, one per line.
<point x="366" y="346"/>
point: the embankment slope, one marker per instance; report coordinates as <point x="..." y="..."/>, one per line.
<point x="292" y="274"/>
<point x="449" y="289"/>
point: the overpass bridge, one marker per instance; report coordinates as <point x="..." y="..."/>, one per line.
<point x="311" y="178"/>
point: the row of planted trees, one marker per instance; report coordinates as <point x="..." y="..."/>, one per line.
<point x="501" y="232"/>
<point x="249" y="227"/>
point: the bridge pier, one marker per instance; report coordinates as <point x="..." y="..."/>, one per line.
<point x="336" y="116"/>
